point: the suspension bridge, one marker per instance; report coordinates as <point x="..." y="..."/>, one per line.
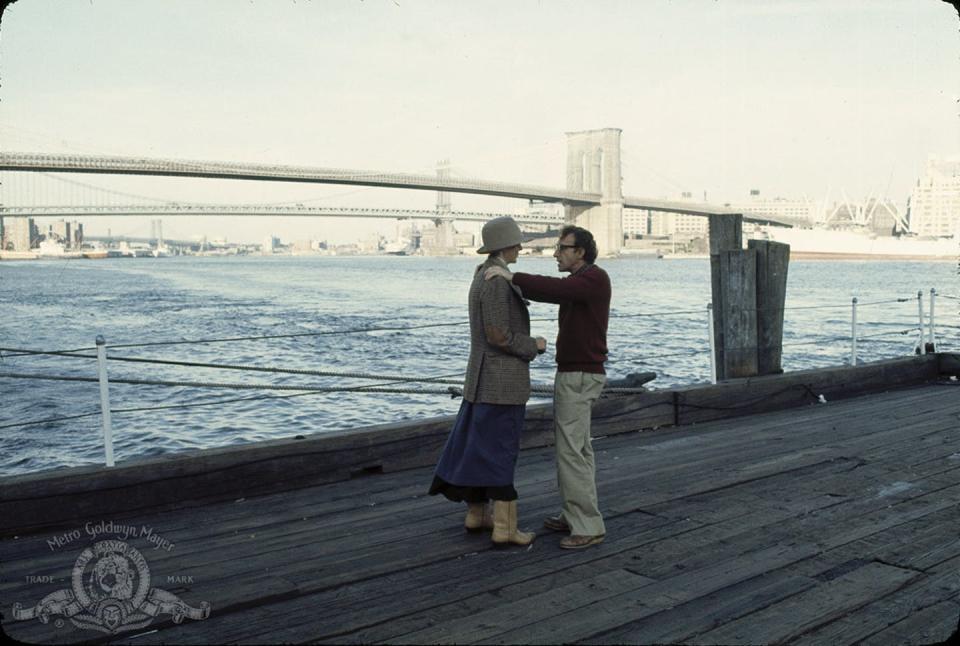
<point x="593" y="196"/>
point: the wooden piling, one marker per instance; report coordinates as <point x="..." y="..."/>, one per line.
<point x="772" y="261"/>
<point x="738" y="284"/>
<point x="726" y="233"/>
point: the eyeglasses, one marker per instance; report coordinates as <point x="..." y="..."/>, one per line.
<point x="560" y="246"/>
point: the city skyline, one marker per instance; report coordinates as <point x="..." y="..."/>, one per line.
<point x="798" y="99"/>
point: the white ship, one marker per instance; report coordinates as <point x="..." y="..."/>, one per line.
<point x="859" y="244"/>
<point x="398" y="248"/>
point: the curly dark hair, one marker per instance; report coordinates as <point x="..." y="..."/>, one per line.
<point x="583" y="239"/>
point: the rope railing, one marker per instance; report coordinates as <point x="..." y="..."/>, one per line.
<point x="75" y="352"/>
<point x="232" y="386"/>
<point x="455" y="392"/>
<point x="227" y="366"/>
<point x="889" y="333"/>
<point x="216" y="402"/>
<point x="398" y="383"/>
<point x="13" y="352"/>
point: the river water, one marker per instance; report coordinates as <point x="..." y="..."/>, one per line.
<point x="658" y="323"/>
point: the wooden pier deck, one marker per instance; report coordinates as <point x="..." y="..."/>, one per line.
<point x="830" y="523"/>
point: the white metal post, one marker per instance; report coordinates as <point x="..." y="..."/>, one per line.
<point x="713" y="345"/>
<point x="853" y="332"/>
<point x="105" y="400"/>
<point x="933" y="336"/>
<point x="923" y="346"/>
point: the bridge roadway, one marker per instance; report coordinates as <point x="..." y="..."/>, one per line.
<point x="55" y="163"/>
<point x="266" y="210"/>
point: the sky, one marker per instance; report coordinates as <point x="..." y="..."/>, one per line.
<point x="795" y="98"/>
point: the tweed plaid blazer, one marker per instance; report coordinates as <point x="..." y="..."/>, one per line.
<point x="501" y="347"/>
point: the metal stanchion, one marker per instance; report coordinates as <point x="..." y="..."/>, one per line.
<point x="853" y="332"/>
<point x="713" y="345"/>
<point x="933" y="337"/>
<point x="105" y="400"/>
<point x="923" y="346"/>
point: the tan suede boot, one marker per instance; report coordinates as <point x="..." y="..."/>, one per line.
<point x="478" y="517"/>
<point x="505" y="531"/>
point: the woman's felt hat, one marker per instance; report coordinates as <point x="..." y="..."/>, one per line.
<point x="500" y="233"/>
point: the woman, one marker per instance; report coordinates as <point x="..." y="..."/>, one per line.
<point x="480" y="456"/>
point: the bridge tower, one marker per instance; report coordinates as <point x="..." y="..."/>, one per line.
<point x="444" y="243"/>
<point x="593" y="166"/>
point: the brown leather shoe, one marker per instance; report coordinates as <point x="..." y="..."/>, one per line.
<point x="579" y="542"/>
<point x="556" y="523"/>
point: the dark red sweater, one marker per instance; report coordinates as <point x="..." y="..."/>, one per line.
<point x="584" y="299"/>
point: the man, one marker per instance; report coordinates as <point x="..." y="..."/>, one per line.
<point x="584" y="299"/>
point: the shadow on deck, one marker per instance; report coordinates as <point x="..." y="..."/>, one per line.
<point x="818" y="524"/>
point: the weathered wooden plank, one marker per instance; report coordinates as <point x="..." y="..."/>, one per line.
<point x="366" y="523"/>
<point x="788" y="526"/>
<point x="412" y="598"/>
<point x="810" y="609"/>
<point x="545" y="606"/>
<point x="917" y="544"/>
<point x="773" y="259"/>
<point x="594" y="618"/>
<point x="680" y="623"/>
<point x="932" y="625"/>
<point x="874" y="618"/>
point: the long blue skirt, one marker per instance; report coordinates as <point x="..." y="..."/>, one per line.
<point x="480" y="457"/>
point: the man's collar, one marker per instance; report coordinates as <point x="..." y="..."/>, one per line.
<point x="585" y="266"/>
<point x="497" y="260"/>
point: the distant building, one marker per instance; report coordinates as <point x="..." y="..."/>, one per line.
<point x="77" y="240"/>
<point x="70" y="234"/>
<point x="302" y="246"/>
<point x="935" y="201"/>
<point x="270" y="244"/>
<point x="439" y="239"/>
<point x="464" y="240"/>
<point x="802" y="210"/>
<point x="20" y="234"/>
<point x="635" y="222"/>
<point x="679" y="226"/>
<point x="371" y="244"/>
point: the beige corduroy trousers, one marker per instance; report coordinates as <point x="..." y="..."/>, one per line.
<point x="573" y="397"/>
